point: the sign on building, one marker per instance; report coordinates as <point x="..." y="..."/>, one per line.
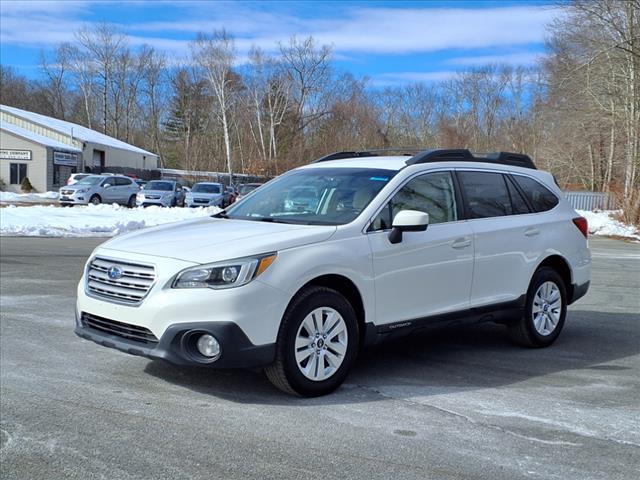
<point x="8" y="154"/>
<point x="65" y="158"/>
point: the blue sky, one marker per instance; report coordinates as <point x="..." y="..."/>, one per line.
<point x="391" y="42"/>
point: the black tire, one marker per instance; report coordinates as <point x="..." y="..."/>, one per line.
<point x="95" y="199"/>
<point x="132" y="202"/>
<point x="284" y="372"/>
<point x="523" y="331"/>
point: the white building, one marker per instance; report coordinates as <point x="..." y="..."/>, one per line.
<point x="48" y="150"/>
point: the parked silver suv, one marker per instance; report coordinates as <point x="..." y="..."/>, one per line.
<point x="100" y="189"/>
<point x="161" y="193"/>
<point x="206" y="194"/>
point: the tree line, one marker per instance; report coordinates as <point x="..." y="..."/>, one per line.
<point x="576" y="112"/>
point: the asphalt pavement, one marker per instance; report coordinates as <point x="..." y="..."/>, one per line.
<point x="450" y="404"/>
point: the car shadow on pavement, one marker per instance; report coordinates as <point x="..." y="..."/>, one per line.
<point x="439" y="362"/>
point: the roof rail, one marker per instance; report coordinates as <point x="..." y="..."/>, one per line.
<point x="441" y="155"/>
<point x="419" y="155"/>
<point x="509" y="158"/>
<point x="370" y="152"/>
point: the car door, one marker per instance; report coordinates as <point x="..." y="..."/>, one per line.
<point x="505" y="240"/>
<point x="122" y="189"/>
<point x="430" y="272"/>
<point x="109" y="194"/>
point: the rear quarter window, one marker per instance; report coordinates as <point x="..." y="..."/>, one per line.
<point x="540" y="197"/>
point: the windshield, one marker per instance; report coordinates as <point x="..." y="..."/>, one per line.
<point x="90" y="180"/>
<point x="319" y="196"/>
<point x="206" y="188"/>
<point x="245" y="189"/>
<point x="159" y="185"/>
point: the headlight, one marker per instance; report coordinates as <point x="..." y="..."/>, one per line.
<point x="140" y="196"/>
<point x="82" y="190"/>
<point x="227" y="274"/>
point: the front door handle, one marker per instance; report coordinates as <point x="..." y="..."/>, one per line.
<point x="461" y="242"/>
<point x="531" y="232"/>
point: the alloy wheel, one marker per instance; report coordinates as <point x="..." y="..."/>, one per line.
<point x="321" y="344"/>
<point x="547" y="308"/>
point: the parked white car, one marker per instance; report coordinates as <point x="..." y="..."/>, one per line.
<point x="76" y="177"/>
<point x="391" y="244"/>
<point x="96" y="189"/>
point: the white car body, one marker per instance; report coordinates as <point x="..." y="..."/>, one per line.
<point x="460" y="266"/>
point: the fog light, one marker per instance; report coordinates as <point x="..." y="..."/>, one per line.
<point x="208" y="346"/>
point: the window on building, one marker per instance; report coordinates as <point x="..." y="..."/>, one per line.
<point x="17" y="173"/>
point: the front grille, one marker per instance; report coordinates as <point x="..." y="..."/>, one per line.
<point x="152" y="197"/>
<point x="201" y="200"/>
<point x="124" y="330"/>
<point x="131" y="286"/>
<point x="66" y="192"/>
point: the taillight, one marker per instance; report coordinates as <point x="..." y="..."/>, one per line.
<point x="582" y="225"/>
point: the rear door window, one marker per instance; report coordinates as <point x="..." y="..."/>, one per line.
<point x="121" y="181"/>
<point x="540" y="197"/>
<point x="486" y="194"/>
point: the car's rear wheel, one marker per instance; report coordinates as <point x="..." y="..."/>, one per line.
<point x="545" y="310"/>
<point x="317" y="343"/>
<point x="95" y="199"/>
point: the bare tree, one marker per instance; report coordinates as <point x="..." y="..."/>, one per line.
<point x="214" y="55"/>
<point x="56" y="71"/>
<point x="102" y="44"/>
<point x="307" y="67"/>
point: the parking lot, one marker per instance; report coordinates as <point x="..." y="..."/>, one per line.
<point x="447" y="404"/>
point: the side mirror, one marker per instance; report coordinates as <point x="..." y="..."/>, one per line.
<point x="107" y="185"/>
<point x="408" y="221"/>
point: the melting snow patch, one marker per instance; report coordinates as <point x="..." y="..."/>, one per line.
<point x="603" y="223"/>
<point x="89" y="221"/>
<point x="11" y="197"/>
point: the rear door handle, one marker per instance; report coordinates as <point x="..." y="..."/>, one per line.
<point x="531" y="232"/>
<point x="461" y="242"/>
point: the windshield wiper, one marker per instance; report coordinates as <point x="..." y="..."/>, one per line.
<point x="220" y="214"/>
<point x="278" y="220"/>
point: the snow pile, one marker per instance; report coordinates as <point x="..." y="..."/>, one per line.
<point x="603" y="223"/>
<point x="89" y="221"/>
<point x="11" y="197"/>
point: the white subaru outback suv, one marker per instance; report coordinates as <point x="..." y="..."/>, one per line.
<point x="378" y="246"/>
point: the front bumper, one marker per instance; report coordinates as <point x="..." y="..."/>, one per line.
<point x="237" y="351"/>
<point x="148" y="202"/>
<point x="75" y="199"/>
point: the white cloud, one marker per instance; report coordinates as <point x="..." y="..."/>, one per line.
<point x="402" y="78"/>
<point x="522" y="58"/>
<point x="352" y="29"/>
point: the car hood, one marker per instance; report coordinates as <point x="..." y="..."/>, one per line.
<point x="156" y="192"/>
<point x="77" y="186"/>
<point x="204" y="195"/>
<point x="208" y="239"/>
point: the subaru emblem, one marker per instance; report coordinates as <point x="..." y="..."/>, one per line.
<point x="114" y="272"/>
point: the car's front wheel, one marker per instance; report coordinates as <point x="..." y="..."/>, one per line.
<point x="545" y="310"/>
<point x="95" y="199"/>
<point x="132" y="201"/>
<point x="317" y="343"/>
